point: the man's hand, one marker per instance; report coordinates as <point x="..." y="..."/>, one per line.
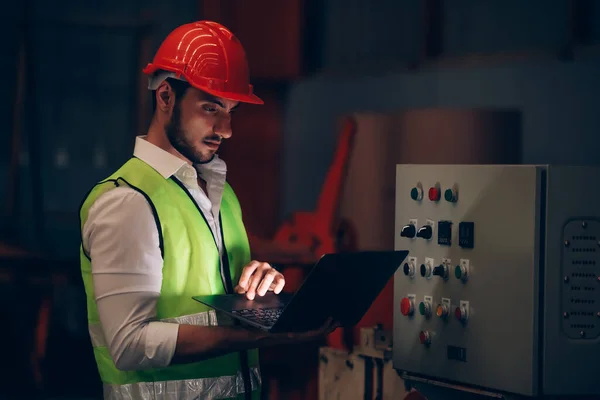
<point x="258" y="278"/>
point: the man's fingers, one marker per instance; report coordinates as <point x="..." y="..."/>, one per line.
<point x="259" y="277"/>
<point x="266" y="282"/>
<point x="256" y="279"/>
<point x="253" y="285"/>
<point x="247" y="273"/>
<point x="278" y="283"/>
<point x="239" y="290"/>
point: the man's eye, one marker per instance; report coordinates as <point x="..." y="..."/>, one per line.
<point x="210" y="108"/>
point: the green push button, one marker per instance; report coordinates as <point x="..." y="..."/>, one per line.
<point x="458" y="272"/>
<point x="449" y="195"/>
<point x="422" y="308"/>
<point x="414" y="193"/>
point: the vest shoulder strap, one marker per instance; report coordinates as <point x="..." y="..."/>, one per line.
<point x="136" y="171"/>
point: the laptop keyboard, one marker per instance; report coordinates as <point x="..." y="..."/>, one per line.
<point x="263" y="316"/>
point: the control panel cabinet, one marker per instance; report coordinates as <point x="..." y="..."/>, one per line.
<point x="500" y="289"/>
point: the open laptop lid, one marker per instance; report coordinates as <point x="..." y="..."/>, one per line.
<point x="342" y="286"/>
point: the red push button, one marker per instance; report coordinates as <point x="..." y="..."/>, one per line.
<point x="461" y="314"/>
<point x="407" y="307"/>
<point x="458" y="313"/>
<point x="434" y="194"/>
<point x="425" y="337"/>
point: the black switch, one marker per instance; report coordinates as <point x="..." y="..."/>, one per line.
<point x="466" y="235"/>
<point x="409" y="270"/>
<point x="441" y="270"/>
<point x="445" y="233"/>
<point x="425" y="232"/>
<point x="408" y="231"/>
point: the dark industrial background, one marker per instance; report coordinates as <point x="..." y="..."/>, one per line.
<point x="75" y="98"/>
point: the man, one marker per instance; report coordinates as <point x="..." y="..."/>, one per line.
<point x="167" y="226"/>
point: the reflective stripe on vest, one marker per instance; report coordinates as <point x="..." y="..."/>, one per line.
<point x="222" y="387"/>
<point x="208" y="318"/>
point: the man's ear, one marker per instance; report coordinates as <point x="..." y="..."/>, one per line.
<point x="165" y="98"/>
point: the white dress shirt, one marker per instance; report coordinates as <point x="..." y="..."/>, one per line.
<point x="121" y="238"/>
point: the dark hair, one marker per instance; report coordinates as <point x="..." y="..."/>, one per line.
<point x="179" y="88"/>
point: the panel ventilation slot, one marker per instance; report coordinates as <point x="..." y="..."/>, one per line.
<point x="581" y="279"/>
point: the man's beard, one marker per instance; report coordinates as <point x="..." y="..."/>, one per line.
<point x="177" y="138"/>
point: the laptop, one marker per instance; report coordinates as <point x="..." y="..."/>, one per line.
<point x="340" y="285"/>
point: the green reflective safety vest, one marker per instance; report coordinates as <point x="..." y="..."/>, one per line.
<point x="191" y="266"/>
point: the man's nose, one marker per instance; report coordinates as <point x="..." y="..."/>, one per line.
<point x="223" y="127"/>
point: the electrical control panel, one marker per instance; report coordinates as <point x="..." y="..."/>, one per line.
<point x="501" y="288"/>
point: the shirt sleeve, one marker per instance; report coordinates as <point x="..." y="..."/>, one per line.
<point x="121" y="238"/>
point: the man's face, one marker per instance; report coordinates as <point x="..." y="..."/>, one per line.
<point x="199" y="123"/>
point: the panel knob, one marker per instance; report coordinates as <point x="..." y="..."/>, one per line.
<point x="442" y="310"/>
<point x="461" y="314"/>
<point x="425" y="232"/>
<point x="441" y="271"/>
<point x="407" y="307"/>
<point x="460" y="272"/>
<point x="425" y="270"/>
<point x="425" y="338"/>
<point x="434" y="193"/>
<point x="416" y="193"/>
<point x="451" y="195"/>
<point x="408" y="231"/>
<point x="409" y="269"/>
<point x="425" y="309"/>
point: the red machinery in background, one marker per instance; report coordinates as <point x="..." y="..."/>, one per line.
<point x="322" y="230"/>
<point x="293" y="372"/>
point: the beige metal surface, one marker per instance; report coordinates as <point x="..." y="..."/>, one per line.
<point x="342" y="374"/>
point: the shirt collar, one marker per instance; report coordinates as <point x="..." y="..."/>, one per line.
<point x="162" y="161"/>
<point x="168" y="164"/>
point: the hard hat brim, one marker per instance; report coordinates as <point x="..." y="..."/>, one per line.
<point x="155" y="78"/>
<point x="243" y="98"/>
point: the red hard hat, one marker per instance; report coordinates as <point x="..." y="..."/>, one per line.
<point x="209" y="57"/>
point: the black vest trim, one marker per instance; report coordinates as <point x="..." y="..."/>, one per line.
<point x="154" y="213"/>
